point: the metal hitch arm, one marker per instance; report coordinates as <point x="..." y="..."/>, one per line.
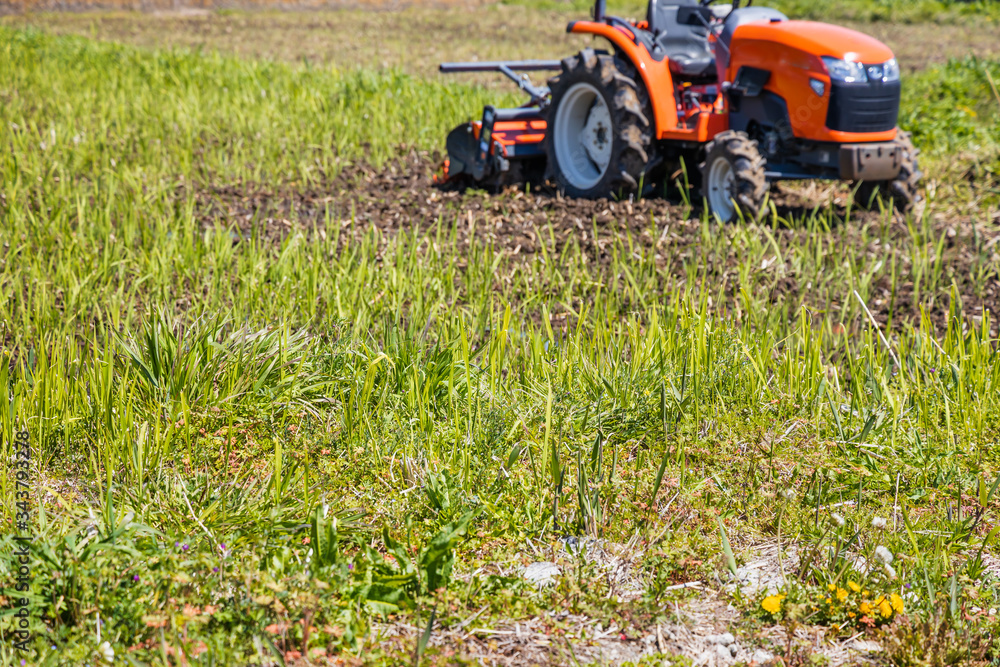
<point x="539" y="94"/>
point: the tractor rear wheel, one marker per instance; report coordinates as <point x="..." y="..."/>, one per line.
<point x="903" y="191"/>
<point x="599" y="141"/>
<point x="732" y="176"/>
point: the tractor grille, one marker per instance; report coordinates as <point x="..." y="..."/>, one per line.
<point x="863" y="107"/>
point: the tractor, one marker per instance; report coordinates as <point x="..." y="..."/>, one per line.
<point x="746" y="94"/>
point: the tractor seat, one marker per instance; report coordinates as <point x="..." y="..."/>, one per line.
<point x="681" y="36"/>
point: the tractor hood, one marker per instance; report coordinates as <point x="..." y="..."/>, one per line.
<point x="818" y="39"/>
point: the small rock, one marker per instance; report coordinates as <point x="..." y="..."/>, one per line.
<point x="761" y="657"/>
<point x="704" y="658"/>
<point x="734" y="649"/>
<point x="726" y="638"/>
<point x="722" y="654"/>
<point x="542" y="573"/>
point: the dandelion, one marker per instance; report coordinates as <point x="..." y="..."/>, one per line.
<point x="841" y="594"/>
<point x="885" y="608"/>
<point x="884" y="554"/>
<point x="788" y="494"/>
<point x="865" y="608"/>
<point x="837" y="519"/>
<point x="772" y="604"/>
<point x="831" y="587"/>
<point x="890" y="570"/>
<point x="896" y="602"/>
<point x="879" y="522"/>
<point x="854" y="587"/>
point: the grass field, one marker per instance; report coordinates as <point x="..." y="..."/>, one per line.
<point x="289" y="403"/>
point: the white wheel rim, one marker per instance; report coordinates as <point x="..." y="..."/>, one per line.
<point x="720" y="189"/>
<point x="583" y="136"/>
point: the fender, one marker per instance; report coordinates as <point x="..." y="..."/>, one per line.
<point x="655" y="75"/>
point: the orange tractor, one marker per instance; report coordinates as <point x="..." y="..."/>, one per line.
<point x="745" y="93"/>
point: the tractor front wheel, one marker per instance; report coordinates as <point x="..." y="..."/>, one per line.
<point x="903" y="191"/>
<point x="599" y="141"/>
<point x="733" y="179"/>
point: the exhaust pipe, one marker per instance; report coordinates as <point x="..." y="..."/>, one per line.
<point x="600" y="9"/>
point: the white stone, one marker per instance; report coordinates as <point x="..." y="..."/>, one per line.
<point x="543" y="573"/>
<point x="704" y="658"/>
<point x="725" y="639"/>
<point x="761" y="657"/>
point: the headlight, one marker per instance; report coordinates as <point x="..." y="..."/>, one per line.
<point x="845" y="70"/>
<point x="890" y="71"/>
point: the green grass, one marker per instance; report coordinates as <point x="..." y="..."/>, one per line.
<point x="245" y="447"/>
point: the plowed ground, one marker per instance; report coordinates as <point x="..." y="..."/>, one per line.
<point x="404" y="197"/>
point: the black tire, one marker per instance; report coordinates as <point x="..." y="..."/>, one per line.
<point x="904" y="190"/>
<point x="749" y="184"/>
<point x="632" y="131"/>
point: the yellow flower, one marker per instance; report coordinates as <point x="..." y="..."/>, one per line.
<point x="866" y="593"/>
<point x="885" y="608"/>
<point x="772" y="604"/>
<point x="897" y="603"/>
<point x="841" y="594"/>
<point x="831" y="587"/>
<point x="851" y="614"/>
<point x="828" y="600"/>
<point x="865" y="608"/>
<point x="854" y="587"/>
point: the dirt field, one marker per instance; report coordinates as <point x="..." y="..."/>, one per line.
<point x="194" y="7"/>
<point x="418" y="36"/>
<point x="403" y="198"/>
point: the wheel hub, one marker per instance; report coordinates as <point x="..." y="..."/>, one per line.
<point x="596" y="134"/>
<point x="721" y="189"/>
<point x="583" y="135"/>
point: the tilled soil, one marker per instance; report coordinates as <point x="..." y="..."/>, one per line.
<point x="404" y="197"/>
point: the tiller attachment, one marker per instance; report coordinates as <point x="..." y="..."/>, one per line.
<point x="506" y="145"/>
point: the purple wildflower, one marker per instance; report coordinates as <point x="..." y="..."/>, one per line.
<point x="135" y="577"/>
